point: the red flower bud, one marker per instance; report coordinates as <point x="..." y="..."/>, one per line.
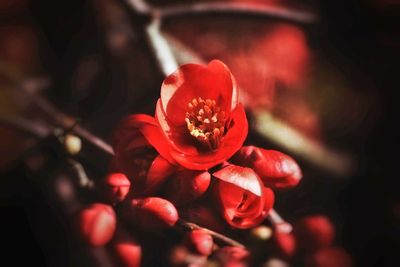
<point x="151" y="213"/>
<point x="285" y="244"/>
<point x="116" y="187"/>
<point x="329" y="257"/>
<point x="136" y="156"/>
<point x="199" y="242"/>
<point x="97" y="224"/>
<point x="314" y="232"/>
<point x="126" y="250"/>
<point x="276" y="170"/>
<point x="231" y="256"/>
<point x="244" y="202"/>
<point x="187" y="185"/>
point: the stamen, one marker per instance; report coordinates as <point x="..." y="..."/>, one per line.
<point x="206" y="122"/>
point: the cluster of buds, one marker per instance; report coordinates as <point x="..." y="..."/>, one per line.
<point x="188" y="162"/>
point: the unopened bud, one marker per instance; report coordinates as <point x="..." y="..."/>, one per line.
<point x="97" y="224"/>
<point x="200" y="242"/>
<point x="72" y="144"/>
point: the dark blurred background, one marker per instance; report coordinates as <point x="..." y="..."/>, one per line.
<point x="335" y="81"/>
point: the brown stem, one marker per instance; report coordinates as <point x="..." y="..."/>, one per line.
<point x="218" y="236"/>
<point x="28" y="126"/>
<point x="62" y="120"/>
<point x="283" y="13"/>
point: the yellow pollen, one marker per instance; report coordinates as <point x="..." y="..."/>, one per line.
<point x="206" y="122"/>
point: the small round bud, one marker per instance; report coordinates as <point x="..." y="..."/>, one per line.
<point x="97" y="224"/>
<point x="127" y="250"/>
<point x="314" y="232"/>
<point x="116" y="186"/>
<point x="200" y="242"/>
<point x="72" y="144"/>
<point x="151" y="213"/>
<point x="285" y="244"/>
<point x="261" y="232"/>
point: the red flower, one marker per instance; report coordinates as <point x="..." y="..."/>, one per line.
<point x="200" y="116"/>
<point x="141" y="154"/>
<point x="244" y="201"/>
<point x="276" y="170"/>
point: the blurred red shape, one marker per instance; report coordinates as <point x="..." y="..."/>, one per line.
<point x="97" y="224"/>
<point x="199" y="242"/>
<point x="117" y="186"/>
<point x="126" y="249"/>
<point x="314" y="232"/>
<point x="329" y="257"/>
<point x="285" y="244"/>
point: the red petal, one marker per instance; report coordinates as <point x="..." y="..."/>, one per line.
<point x="244" y="178"/>
<point x="269" y="200"/>
<point x="134" y="128"/>
<point x="240" y="208"/>
<point x="190" y="81"/>
<point x="184" y="150"/>
<point x="276" y="169"/>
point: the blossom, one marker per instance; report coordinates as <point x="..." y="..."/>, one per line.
<point x="199" y="115"/>
<point x="244" y="201"/>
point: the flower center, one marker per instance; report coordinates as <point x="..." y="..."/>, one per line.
<point x="206" y="122"/>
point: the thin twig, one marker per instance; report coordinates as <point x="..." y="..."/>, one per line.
<point x="259" y="10"/>
<point x="279" y="223"/>
<point x="162" y="50"/>
<point x="218" y="236"/>
<point x="84" y="180"/>
<point x="61" y="119"/>
<point x="282" y="134"/>
<point x="28" y="126"/>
